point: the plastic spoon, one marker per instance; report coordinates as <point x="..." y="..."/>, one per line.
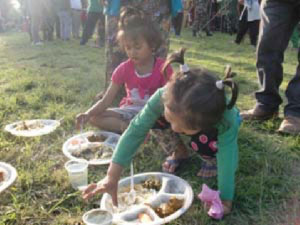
<point x="132" y="193"/>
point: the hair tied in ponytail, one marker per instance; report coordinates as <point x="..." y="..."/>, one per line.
<point x="228" y="73"/>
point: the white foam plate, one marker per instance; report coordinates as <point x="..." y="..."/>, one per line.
<point x="49" y="126"/>
<point x="111" y="140"/>
<point x="171" y="186"/>
<point x="10" y="175"/>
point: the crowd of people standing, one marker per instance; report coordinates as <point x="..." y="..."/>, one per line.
<point x="61" y="17"/>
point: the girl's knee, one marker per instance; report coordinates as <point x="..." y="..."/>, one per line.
<point x="94" y="121"/>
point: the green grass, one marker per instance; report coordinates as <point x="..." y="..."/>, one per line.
<point x="59" y="80"/>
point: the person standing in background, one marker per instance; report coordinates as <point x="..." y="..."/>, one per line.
<point x="279" y="19"/>
<point x="65" y="18"/>
<point x="94" y="15"/>
<point x="35" y="12"/>
<point x="48" y="19"/>
<point x="177" y="17"/>
<point x="186" y="9"/>
<point x="249" y="20"/>
<point x="83" y="14"/>
<point x="201" y="22"/>
<point x="76" y="7"/>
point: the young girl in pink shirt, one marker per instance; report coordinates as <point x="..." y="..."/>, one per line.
<point x="141" y="74"/>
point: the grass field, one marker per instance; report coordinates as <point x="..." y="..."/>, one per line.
<point x="59" y="80"/>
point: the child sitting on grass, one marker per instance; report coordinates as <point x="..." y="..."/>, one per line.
<point x="193" y="101"/>
<point x="141" y="74"/>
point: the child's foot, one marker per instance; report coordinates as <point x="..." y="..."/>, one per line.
<point x="208" y="169"/>
<point x="173" y="162"/>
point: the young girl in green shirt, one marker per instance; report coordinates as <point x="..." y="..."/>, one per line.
<point x="193" y="101"/>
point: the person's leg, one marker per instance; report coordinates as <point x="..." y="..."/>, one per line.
<point x="185" y="19"/>
<point x="178" y="23"/>
<point x="173" y="146"/>
<point x="196" y="23"/>
<point x="75" y="23"/>
<point x="57" y="26"/>
<point x="110" y="121"/>
<point x="291" y="122"/>
<point x="35" y="28"/>
<point x="89" y="28"/>
<point x="61" y="24"/>
<point x="253" y="31"/>
<point x="68" y="25"/>
<point x="208" y="168"/>
<point x="101" y="30"/>
<point x="277" y="25"/>
<point x="242" y="28"/>
<point x="206" y="15"/>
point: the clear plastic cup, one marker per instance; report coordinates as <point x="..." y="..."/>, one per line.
<point x="78" y="173"/>
<point x="97" y="217"/>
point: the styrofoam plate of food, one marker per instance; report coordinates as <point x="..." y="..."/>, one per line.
<point x="8" y="175"/>
<point x="32" y="128"/>
<point x="159" y="199"/>
<point x="94" y="146"/>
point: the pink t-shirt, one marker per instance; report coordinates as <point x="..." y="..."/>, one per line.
<point x="139" y="88"/>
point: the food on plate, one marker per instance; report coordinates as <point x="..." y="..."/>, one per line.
<point x="152" y="183"/>
<point x="2" y="173"/>
<point x="96" y="151"/>
<point x="144" y="218"/>
<point x="142" y="196"/>
<point x="77" y="141"/>
<point x="166" y="209"/>
<point x="29" y="125"/>
<point x="96" y="138"/>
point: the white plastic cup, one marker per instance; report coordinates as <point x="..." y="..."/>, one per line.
<point x="97" y="217"/>
<point x="78" y="173"/>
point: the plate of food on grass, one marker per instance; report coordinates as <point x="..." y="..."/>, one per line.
<point x="32" y="128"/>
<point x="159" y="198"/>
<point x="94" y="146"/>
<point x="8" y="175"/>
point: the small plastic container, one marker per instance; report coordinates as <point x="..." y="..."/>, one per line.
<point x="78" y="173"/>
<point x="97" y="217"/>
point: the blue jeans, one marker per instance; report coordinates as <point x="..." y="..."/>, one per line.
<point x="279" y="18"/>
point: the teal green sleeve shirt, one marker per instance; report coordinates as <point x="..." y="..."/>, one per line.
<point x="227" y="156"/>
<point x="94" y="6"/>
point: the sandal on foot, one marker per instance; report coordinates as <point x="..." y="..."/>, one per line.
<point x="174" y="162"/>
<point x="208" y="170"/>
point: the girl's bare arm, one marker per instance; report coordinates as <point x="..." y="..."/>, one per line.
<point x="106" y="101"/>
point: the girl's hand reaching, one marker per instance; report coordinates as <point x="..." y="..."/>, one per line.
<point x="81" y="120"/>
<point x="107" y="185"/>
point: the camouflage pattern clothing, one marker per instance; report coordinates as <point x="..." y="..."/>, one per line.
<point x="160" y="12"/>
<point x="201" y="16"/>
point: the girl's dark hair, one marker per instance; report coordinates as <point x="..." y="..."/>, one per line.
<point x="135" y="23"/>
<point x="195" y="95"/>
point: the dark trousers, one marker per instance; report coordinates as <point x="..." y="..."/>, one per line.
<point x="177" y="23"/>
<point x="88" y="30"/>
<point x="244" y="26"/>
<point x="279" y="18"/>
<point x="57" y="26"/>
